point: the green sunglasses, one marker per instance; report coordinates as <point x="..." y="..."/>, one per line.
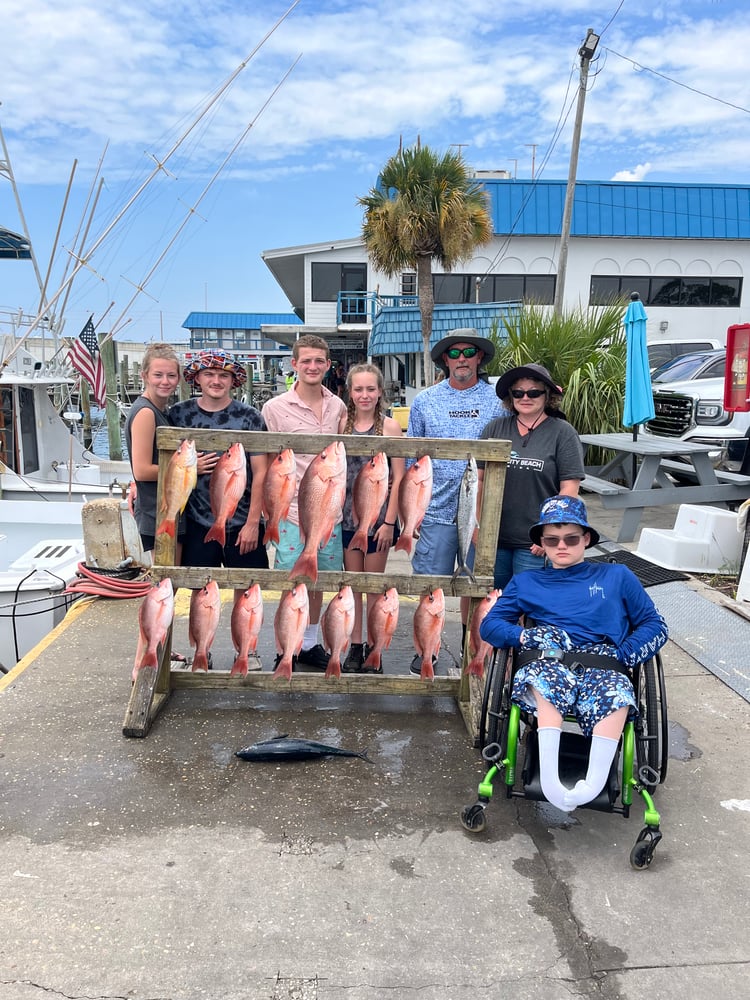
<point x="456" y="352"/>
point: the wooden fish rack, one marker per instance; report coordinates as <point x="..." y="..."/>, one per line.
<point x="152" y="689"/>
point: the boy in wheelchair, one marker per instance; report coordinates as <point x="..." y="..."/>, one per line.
<point x="591" y="622"/>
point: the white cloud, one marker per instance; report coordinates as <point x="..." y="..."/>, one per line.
<point x="638" y="173"/>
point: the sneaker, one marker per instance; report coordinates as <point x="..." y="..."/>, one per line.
<point x="416" y="665"/>
<point x="354" y="659"/>
<point x="314" y="658"/>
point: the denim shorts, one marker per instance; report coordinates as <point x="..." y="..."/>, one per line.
<point x="436" y="551"/>
<point x="588" y="693"/>
<point x="289" y="547"/>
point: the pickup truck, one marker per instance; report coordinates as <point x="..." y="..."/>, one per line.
<point x="693" y="410"/>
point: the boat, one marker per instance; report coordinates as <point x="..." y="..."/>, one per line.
<point x="41" y="456"/>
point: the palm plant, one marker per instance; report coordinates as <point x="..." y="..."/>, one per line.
<point x="424" y="207"/>
<point x="585" y="352"/>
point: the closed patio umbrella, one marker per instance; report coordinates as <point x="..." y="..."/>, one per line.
<point x="639" y="398"/>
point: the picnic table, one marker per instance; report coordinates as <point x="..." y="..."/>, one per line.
<point x="652" y="486"/>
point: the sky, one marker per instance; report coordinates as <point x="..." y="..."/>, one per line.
<point x="323" y="91"/>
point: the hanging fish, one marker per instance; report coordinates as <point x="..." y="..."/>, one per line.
<point x="429" y="619"/>
<point x="279" y="488"/>
<point x="414" y="495"/>
<point x="466" y="517"/>
<point x="336" y="626"/>
<point x="320" y="502"/>
<point x="154" y="619"/>
<point x="179" y="482"/>
<point x="226" y="486"/>
<point x="205" y="610"/>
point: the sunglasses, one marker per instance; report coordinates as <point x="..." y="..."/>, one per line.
<point x="456" y="352"/>
<point x="554" y="541"/>
<point x="531" y="393"/>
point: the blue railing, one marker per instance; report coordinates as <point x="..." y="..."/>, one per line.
<point x="363" y="307"/>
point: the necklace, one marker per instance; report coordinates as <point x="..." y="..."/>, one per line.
<point x="529" y="427"/>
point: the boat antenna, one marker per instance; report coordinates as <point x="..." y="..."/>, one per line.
<point x="193" y="210"/>
<point x="160" y="164"/>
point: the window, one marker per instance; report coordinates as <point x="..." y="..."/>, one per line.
<point x="455" y="288"/>
<point x="409" y="283"/>
<point x="666" y="291"/>
<point x="328" y="279"/>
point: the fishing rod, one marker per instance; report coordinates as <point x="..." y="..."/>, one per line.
<point x="160" y="166"/>
<point x="193" y="210"/>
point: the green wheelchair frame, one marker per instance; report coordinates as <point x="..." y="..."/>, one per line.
<point x="643" y="751"/>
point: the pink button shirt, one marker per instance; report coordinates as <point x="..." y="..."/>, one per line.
<point x="288" y="414"/>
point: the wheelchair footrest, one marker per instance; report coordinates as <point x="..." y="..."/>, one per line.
<point x="573" y="764"/>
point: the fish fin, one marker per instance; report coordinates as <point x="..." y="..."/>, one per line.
<point x="359" y="542"/>
<point x="334" y="667"/>
<point x="200" y="661"/>
<point x="216" y="533"/>
<point x="166" y="527"/>
<point x="306" y="565"/>
<point x="239" y="667"/>
<point x="475" y="668"/>
<point x="363" y="756"/>
<point x="427" y="674"/>
<point x="271" y="533"/>
<point x="284" y="671"/>
<point x="373" y="659"/>
<point x="403" y="544"/>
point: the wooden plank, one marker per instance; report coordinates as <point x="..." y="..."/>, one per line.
<point x="168" y="439"/>
<point x="348" y="684"/>
<point x="195" y="577"/>
<point x="720" y="493"/>
<point x="593" y="484"/>
<point x="149" y="693"/>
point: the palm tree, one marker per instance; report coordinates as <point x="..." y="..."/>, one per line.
<point x="424" y="207"/>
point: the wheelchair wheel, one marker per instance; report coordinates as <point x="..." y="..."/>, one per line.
<point x="651" y="733"/>
<point x="493" y="724"/>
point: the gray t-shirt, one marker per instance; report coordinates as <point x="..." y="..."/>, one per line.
<point x="538" y="463"/>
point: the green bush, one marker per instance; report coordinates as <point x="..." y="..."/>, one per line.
<point x="585" y="353"/>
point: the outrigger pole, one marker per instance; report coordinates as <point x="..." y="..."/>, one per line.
<point x="83" y="261"/>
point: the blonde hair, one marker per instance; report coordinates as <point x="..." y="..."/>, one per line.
<point x="159" y="352"/>
<point x="365" y="369"/>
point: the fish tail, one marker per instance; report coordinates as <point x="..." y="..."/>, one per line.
<point x="363" y="756"/>
<point x="359" y="541"/>
<point x="373" y="659"/>
<point x="334" y="667"/>
<point x="239" y="667"/>
<point x="306" y="565"/>
<point x="475" y="668"/>
<point x="149" y="660"/>
<point x="200" y="661"/>
<point x="284" y="670"/>
<point x="271" y="533"/>
<point x="166" y="527"/>
<point x="427" y="674"/>
<point x="403" y="544"/>
<point x="216" y="533"/>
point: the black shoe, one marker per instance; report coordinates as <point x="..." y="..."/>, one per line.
<point x="416" y="665"/>
<point x="315" y="658"/>
<point x="354" y="659"/>
<point x="278" y="659"/>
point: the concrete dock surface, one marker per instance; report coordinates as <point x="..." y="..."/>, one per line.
<point x="168" y="868"/>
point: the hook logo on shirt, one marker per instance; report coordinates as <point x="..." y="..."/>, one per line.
<point x="596" y="591"/>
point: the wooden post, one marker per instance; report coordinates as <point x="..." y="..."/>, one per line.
<point x="109" y="361"/>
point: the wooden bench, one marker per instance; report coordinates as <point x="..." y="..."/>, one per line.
<point x="688" y="472"/>
<point x="602" y="486"/>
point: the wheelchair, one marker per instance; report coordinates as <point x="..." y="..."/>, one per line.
<point x="639" y="766"/>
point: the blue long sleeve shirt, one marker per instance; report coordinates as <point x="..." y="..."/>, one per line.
<point x="592" y="602"/>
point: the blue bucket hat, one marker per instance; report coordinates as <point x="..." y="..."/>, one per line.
<point x="562" y="510"/>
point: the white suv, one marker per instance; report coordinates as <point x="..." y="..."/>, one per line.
<point x="692" y="408"/>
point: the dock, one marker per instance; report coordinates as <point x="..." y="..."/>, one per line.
<point x="167" y="867"/>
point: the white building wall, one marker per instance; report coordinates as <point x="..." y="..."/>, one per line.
<point x="586" y="257"/>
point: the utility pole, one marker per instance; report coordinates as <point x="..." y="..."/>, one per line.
<point x="586" y="52"/>
<point x="532" y="146"/>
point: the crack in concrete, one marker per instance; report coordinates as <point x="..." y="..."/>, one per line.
<point x="553" y="902"/>
<point x="71" y="996"/>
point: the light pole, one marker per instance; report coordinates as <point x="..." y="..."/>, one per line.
<point x="586" y="52"/>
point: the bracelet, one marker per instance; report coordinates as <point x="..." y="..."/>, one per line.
<point x="389" y="524"/>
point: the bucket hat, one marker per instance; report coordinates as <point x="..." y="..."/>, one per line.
<point x="534" y="371"/>
<point x="465" y="335"/>
<point x="215" y="359"/>
<point x="562" y="510"/>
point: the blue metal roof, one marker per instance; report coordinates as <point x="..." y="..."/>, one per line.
<point x="238" y="321"/>
<point x="398" y="329"/>
<point x="612" y="208"/>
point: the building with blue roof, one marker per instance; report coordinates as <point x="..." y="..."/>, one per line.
<point x="251" y="336"/>
<point x="684" y="248"/>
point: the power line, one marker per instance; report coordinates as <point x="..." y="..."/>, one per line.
<point x="677" y="83"/>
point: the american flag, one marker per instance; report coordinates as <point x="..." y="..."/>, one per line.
<point x="86" y="359"/>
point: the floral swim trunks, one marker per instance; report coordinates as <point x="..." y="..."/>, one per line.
<point x="588" y="693"/>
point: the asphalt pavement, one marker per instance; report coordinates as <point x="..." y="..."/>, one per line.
<point x="168" y="868"/>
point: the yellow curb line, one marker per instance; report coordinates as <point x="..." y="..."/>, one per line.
<point x="74" y="612"/>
